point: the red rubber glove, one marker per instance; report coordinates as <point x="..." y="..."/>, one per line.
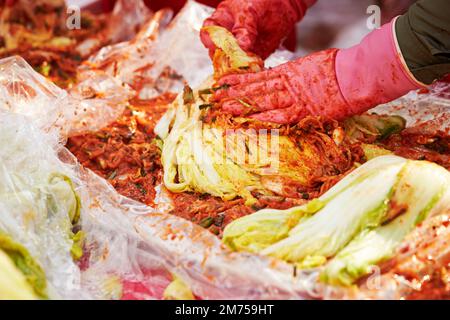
<point x="258" y="25"/>
<point x="334" y="83"/>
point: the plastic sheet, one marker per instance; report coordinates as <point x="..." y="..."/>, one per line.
<point x="34" y="214"/>
<point x="197" y="256"/>
<point x="112" y="247"/>
<point x="123" y="23"/>
<point x="31" y="152"/>
<point x="124" y="239"/>
<point x="96" y="101"/>
<point x="185" y="54"/>
<point x="133" y="63"/>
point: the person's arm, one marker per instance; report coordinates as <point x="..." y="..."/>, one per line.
<point x="424" y="38"/>
<point x="341" y="83"/>
<point x="258" y="25"/>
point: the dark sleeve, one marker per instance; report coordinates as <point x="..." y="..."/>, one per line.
<point x="423" y="35"/>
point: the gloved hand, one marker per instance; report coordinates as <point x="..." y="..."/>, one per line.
<point x="334" y="83"/>
<point x="258" y="25"/>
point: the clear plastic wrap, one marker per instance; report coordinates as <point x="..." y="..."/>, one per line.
<point x="130" y="16"/>
<point x="21" y="86"/>
<point x="123" y="239"/>
<point x="424" y="112"/>
<point x="132" y="62"/>
<point x="180" y="48"/>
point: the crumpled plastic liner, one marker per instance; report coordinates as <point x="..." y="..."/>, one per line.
<point x="157" y="46"/>
<point x="125" y="239"/>
<point x="114" y="252"/>
<point x="132" y="62"/>
<point x="130" y="248"/>
<point x="126" y="18"/>
<point x="180" y="48"/>
<point x="212" y="271"/>
<point x="128" y="242"/>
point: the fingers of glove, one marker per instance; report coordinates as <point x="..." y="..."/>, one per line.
<point x="244" y="79"/>
<point x="233" y="79"/>
<point x="235" y="108"/>
<point x="249" y="105"/>
<point x="251" y="89"/>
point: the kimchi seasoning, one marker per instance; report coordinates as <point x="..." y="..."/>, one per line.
<point x="431" y="147"/>
<point x="126" y="152"/>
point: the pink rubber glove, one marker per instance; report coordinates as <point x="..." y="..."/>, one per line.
<point x="334" y="83"/>
<point x="258" y="25"/>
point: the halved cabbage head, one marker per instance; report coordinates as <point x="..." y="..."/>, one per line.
<point x="363" y="218"/>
